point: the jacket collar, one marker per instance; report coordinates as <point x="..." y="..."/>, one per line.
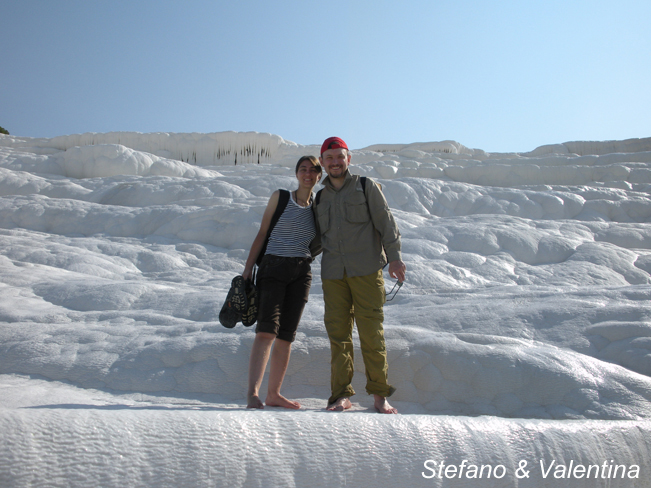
<point x="328" y="184"/>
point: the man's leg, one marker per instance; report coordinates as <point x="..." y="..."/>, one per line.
<point x="338" y="320"/>
<point x="381" y="405"/>
<point x="339" y="405"/>
<point x="368" y="298"/>
<point x="257" y="364"/>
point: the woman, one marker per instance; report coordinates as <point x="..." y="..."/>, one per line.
<point x="283" y="282"/>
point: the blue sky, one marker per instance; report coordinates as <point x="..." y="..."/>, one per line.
<point x="495" y="75"/>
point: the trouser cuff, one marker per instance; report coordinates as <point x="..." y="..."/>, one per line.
<point x="345" y="392"/>
<point x="382" y="389"/>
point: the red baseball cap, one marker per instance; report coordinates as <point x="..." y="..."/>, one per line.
<point x="333" y="143"/>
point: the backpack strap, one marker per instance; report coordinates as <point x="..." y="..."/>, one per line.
<point x="361" y="185"/>
<point x="283" y="199"/>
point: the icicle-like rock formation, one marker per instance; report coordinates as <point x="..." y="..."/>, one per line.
<point x="213" y="149"/>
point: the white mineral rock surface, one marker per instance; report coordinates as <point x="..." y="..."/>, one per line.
<point x="520" y="342"/>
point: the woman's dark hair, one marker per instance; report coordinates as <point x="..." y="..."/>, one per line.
<point x="311" y="159"/>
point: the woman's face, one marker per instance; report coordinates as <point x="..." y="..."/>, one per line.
<point x="308" y="175"/>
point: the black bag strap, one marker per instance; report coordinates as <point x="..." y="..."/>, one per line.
<point x="283" y="199"/>
<point x="251" y="281"/>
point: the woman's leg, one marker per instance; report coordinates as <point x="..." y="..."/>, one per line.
<point x="296" y="295"/>
<point x="271" y="294"/>
<point x="257" y="364"/>
<point x="279" y="361"/>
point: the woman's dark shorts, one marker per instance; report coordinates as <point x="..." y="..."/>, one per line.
<point x="283" y="289"/>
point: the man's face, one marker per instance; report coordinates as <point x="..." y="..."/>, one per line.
<point x="335" y="162"/>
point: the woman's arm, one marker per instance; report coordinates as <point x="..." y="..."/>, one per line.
<point x="258" y="242"/>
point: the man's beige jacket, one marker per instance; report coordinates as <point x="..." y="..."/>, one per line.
<point x="354" y="229"/>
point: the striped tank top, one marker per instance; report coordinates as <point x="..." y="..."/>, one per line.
<point x="293" y="232"/>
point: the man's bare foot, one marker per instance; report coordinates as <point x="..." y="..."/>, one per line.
<point x="382" y="405"/>
<point x="254" y="402"/>
<point x="340" y="405"/>
<point x="281" y="401"/>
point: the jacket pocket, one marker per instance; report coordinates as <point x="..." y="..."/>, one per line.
<point x="357" y="213"/>
<point x="323" y="216"/>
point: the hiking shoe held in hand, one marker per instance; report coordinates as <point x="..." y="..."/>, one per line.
<point x="250" y="316"/>
<point x="238" y="299"/>
<point x="228" y="316"/>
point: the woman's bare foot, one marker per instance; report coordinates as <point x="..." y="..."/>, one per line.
<point x="281" y="401"/>
<point x="382" y="405"/>
<point x="254" y="402"/>
<point x="340" y="405"/>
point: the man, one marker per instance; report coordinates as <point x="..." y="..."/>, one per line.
<point x="358" y="236"/>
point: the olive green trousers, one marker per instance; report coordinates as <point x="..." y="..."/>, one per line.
<point x="356" y="300"/>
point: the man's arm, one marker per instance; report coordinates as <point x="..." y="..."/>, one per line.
<point x="383" y="221"/>
<point x="386" y="225"/>
<point x="315" y="245"/>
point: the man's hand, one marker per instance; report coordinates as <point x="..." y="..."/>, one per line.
<point x="397" y="270"/>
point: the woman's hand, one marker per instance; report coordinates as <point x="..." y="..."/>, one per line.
<point x="247" y="273"/>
